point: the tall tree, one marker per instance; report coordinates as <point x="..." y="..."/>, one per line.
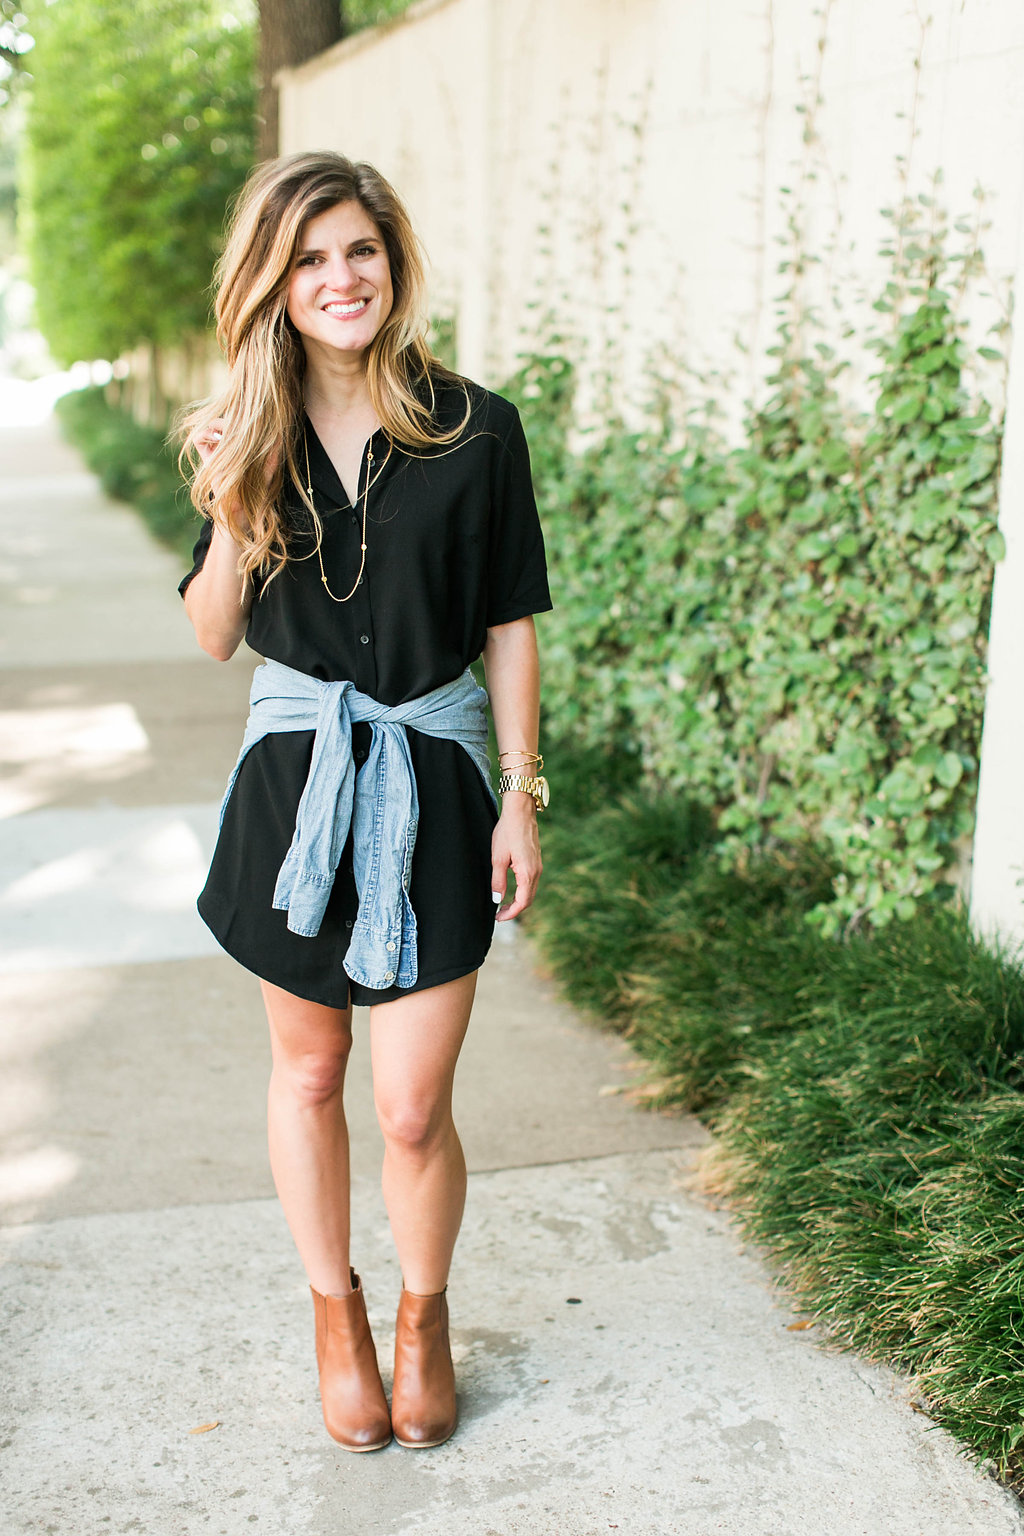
<point x="139" y="129"/>
<point x="291" y="31"/>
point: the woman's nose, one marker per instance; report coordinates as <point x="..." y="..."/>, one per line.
<point x="341" y="274"/>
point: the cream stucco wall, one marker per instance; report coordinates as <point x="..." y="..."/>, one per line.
<point x="507" y="126"/>
<point x="619" y="163"/>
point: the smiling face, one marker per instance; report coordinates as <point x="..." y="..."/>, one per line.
<point x="340" y="291"/>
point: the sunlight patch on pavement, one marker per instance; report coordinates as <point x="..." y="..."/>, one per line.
<point x="104" y="886"/>
<point x="29" y="1175"/>
<point x="41" y="749"/>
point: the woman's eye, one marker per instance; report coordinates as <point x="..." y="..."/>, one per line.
<point x="365" y="250"/>
<point x="305" y="261"/>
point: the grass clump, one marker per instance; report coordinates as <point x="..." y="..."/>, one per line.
<point x="134" y="463"/>
<point x="865" y="1092"/>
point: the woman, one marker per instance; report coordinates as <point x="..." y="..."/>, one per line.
<point x="371" y="531"/>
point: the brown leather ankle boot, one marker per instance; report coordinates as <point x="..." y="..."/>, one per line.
<point x="423" y="1410"/>
<point x="351" y="1391"/>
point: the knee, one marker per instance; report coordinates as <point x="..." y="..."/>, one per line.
<point x="315" y="1077"/>
<point x="413" y="1128"/>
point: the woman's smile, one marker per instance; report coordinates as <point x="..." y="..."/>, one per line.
<point x="347" y="310"/>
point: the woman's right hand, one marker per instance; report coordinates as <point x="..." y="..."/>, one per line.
<point x="218" y="599"/>
<point x="206" y="440"/>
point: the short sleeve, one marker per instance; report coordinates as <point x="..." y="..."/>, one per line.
<point x="199" y="552"/>
<point x="517" y="582"/>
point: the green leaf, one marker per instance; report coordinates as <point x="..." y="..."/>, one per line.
<point x="950" y="770"/>
<point x="907" y="409"/>
<point x="928" y="755"/>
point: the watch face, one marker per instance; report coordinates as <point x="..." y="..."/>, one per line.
<point x="545" y="793"/>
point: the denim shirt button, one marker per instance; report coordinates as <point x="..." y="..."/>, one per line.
<point x="389" y="975"/>
<point x="391" y="946"/>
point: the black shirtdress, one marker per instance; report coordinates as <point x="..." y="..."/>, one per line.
<point x="454" y="546"/>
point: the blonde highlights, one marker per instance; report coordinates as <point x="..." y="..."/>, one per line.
<point x="240" y="486"/>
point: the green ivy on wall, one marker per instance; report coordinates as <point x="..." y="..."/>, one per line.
<point x="791" y="630"/>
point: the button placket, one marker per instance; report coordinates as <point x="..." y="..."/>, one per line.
<point x="364" y="660"/>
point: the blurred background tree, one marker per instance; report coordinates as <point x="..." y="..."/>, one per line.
<point x="142" y="119"/>
<point x="139" y="128"/>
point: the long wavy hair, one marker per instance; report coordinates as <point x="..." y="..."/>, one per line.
<point x="240" y="487"/>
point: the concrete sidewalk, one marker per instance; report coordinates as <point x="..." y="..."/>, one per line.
<point x="624" y="1361"/>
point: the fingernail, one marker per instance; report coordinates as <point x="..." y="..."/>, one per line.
<point x="495" y="897"/>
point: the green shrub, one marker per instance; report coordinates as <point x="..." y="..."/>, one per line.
<point x="138" y="130"/>
<point x="134" y="464"/>
<point x="790" y="630"/>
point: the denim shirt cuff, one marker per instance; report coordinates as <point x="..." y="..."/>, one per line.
<point x="305" y="904"/>
<point x="381" y="958"/>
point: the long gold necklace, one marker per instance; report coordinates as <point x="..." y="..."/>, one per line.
<point x="366" y="497"/>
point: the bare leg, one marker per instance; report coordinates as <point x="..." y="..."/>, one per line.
<point x="415" y="1043"/>
<point x="307" y="1131"/>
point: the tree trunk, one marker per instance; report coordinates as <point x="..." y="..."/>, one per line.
<point x="291" y="31"/>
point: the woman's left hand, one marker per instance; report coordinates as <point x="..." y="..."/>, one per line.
<point x="515" y="844"/>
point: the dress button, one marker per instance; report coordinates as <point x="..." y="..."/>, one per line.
<point x="391" y="946"/>
<point x="364" y="639"/>
<point x="389" y="975"/>
<point x="355" y="522"/>
<point x="348" y="922"/>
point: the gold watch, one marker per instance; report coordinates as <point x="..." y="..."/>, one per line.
<point x="537" y="787"/>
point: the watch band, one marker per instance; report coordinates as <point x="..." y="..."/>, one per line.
<point x="537" y="787"/>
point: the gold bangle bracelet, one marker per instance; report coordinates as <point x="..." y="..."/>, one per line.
<point x="524" y="761"/>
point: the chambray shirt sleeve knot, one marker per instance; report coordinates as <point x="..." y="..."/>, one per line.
<point x="380" y="804"/>
<point x="383" y="949"/>
<point x="306" y="877"/>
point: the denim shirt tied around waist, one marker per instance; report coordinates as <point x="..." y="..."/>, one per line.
<point x="379" y="802"/>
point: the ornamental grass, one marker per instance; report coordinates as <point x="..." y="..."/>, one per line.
<point x="865" y="1093"/>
